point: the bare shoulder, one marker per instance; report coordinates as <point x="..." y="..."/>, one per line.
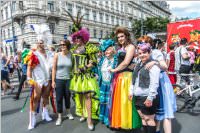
<point x="130" y="47"/>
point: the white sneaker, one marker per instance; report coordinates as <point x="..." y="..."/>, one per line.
<point x="91" y="127"/>
<point x="82" y="119"/>
<point x="70" y="116"/>
<point x="58" y="121"/>
<point x="45" y="115"/>
<point x="32" y="120"/>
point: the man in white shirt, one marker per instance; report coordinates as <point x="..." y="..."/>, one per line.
<point x="182" y="63"/>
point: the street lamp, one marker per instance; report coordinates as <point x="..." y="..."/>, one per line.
<point x="13" y="39"/>
<point x="142" y="23"/>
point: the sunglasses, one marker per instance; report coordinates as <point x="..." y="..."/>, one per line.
<point x="41" y="43"/>
<point x="62" y="45"/>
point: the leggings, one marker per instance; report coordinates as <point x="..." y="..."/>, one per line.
<point x="62" y="90"/>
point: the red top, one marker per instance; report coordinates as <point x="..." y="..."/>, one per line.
<point x="172" y="61"/>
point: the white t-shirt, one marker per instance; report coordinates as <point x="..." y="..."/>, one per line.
<point x="157" y="55"/>
<point x="179" y="59"/>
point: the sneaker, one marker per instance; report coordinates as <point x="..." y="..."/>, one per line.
<point x="16" y="97"/>
<point x="3" y="94"/>
<point x="91" y="127"/>
<point x="45" y="115"/>
<point x="58" y="121"/>
<point x="82" y="119"/>
<point x="70" y="116"/>
<point x="32" y="120"/>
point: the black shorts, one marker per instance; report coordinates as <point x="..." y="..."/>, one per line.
<point x="5" y="76"/>
<point x="139" y="104"/>
<point x="11" y="70"/>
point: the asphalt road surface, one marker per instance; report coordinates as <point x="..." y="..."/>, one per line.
<point x="14" y="121"/>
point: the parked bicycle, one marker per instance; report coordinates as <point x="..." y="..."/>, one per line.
<point x="186" y="93"/>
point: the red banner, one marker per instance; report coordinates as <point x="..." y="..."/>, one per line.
<point x="189" y="29"/>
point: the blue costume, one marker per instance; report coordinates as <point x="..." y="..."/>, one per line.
<point x="105" y="79"/>
<point x="167" y="97"/>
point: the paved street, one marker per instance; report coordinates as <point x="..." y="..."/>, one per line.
<point x="12" y="120"/>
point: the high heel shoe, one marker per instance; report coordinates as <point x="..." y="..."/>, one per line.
<point x="82" y="119"/>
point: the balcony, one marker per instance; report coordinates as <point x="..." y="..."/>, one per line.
<point x="17" y="13"/>
<point x="52" y="13"/>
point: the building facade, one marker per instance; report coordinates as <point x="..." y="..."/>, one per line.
<point x="100" y="17"/>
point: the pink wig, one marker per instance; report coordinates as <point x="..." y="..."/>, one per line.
<point x="83" y="33"/>
<point x="144" y="47"/>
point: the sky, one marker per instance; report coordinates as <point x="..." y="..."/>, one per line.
<point x="181" y="9"/>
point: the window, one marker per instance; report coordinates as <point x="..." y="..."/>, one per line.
<point x="94" y="15"/>
<point x="101" y="34"/>
<point x="112" y="3"/>
<point x="117" y="21"/>
<point x="112" y="20"/>
<point x="8" y="33"/>
<point x="78" y="8"/>
<point x="21" y="5"/>
<point x="95" y="33"/>
<point x="107" y="33"/>
<point x="2" y="14"/>
<point x="122" y="7"/>
<point x="107" y="18"/>
<point x="87" y="15"/>
<point x="52" y="27"/>
<point x="70" y="29"/>
<point x="94" y="2"/>
<point x="13" y="5"/>
<point x="14" y="31"/>
<point x="122" y="21"/>
<point x="101" y="17"/>
<point x="11" y="50"/>
<point x="4" y="34"/>
<point x="69" y="8"/>
<point x="6" y="9"/>
<point x="117" y="5"/>
<point x="100" y="3"/>
<point x="50" y="5"/>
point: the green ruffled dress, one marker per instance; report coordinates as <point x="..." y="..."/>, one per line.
<point x="84" y="80"/>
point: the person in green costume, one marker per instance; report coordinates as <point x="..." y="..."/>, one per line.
<point x="84" y="86"/>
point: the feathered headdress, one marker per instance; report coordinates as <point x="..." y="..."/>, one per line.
<point x="43" y="32"/>
<point x="104" y="44"/>
<point x="77" y="29"/>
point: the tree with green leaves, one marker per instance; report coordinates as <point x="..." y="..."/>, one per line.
<point x="150" y="24"/>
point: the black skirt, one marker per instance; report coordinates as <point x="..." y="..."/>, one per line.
<point x="139" y="104"/>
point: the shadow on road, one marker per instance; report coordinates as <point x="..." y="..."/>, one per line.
<point x="176" y="126"/>
<point x="10" y="112"/>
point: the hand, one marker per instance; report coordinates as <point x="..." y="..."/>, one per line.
<point x="111" y="70"/>
<point x="30" y="81"/>
<point x="89" y="65"/>
<point x="148" y="103"/>
<point x="149" y="65"/>
<point x="130" y="97"/>
<point x="53" y="84"/>
<point x="131" y="66"/>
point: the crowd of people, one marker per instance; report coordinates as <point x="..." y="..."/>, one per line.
<point x="121" y="84"/>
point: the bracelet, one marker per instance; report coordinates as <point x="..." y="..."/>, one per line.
<point x="28" y="78"/>
<point x="94" y="63"/>
<point x="157" y="63"/>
